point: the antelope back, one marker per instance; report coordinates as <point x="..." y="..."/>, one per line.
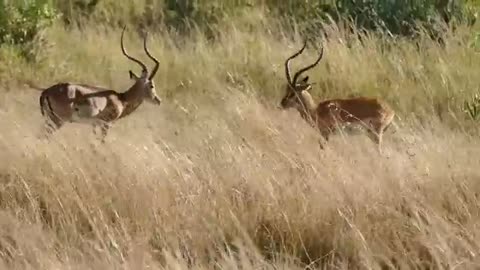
<point x="59" y="98"/>
<point x="351" y="110"/>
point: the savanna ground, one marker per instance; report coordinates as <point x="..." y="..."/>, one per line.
<point x="218" y="177"/>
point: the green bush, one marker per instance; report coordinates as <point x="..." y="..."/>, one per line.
<point x="21" y="23"/>
<point x="395" y="17"/>
<point x="176" y="14"/>
<point x="74" y="11"/>
<point x="398" y="17"/>
<point x="404" y="16"/>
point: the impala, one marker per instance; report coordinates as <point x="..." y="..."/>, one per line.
<point x="373" y="114"/>
<point x="68" y="102"/>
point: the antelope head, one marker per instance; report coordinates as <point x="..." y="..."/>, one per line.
<point x="144" y="82"/>
<point x="298" y="87"/>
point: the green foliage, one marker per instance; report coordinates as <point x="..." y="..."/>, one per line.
<point x="181" y="14"/>
<point x="398" y="17"/>
<point x="20" y="22"/>
<point x="21" y="25"/>
<point x="74" y="11"/>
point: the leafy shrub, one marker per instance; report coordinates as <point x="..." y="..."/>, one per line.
<point x="74" y="11"/>
<point x="180" y="13"/>
<point x="396" y="17"/>
<point x="177" y="14"/>
<point x="21" y="23"/>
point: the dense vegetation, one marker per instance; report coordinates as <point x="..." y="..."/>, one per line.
<point x="21" y="20"/>
<point x="218" y="177"/>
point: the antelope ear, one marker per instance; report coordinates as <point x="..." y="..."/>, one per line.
<point x="133" y="76"/>
<point x="144" y="74"/>
<point x="305" y="80"/>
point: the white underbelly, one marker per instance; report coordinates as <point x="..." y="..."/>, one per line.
<point x="84" y="120"/>
<point x="84" y="117"/>
<point x="85" y="113"/>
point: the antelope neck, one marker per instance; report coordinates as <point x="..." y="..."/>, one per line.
<point x="307" y="106"/>
<point x="131" y="99"/>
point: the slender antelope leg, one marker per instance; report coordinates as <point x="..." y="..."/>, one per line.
<point x="96" y="127"/>
<point x="325" y="134"/>
<point x="51" y="125"/>
<point x="104" y="129"/>
<point x="380" y="138"/>
<point x="375" y="133"/>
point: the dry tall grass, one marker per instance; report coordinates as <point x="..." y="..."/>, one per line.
<point x="219" y="178"/>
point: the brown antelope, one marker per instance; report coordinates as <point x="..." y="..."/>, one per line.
<point x="373" y="114"/>
<point x="68" y="102"/>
